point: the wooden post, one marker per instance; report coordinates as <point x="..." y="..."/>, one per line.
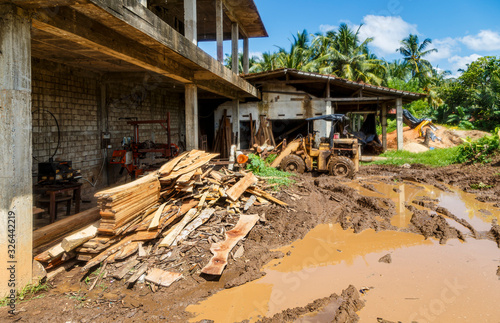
<point x="16" y="202"/>
<point x="190" y="29"/>
<point x="246" y="58"/>
<point x="219" y="30"/>
<point x="234" y="46"/>
<point x="236" y="122"/>
<point x="399" y="122"/>
<point x="384" y="126"/>
<point x="191" y="95"/>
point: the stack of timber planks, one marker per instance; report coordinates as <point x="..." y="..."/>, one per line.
<point x="263" y="136"/>
<point x="156" y="226"/>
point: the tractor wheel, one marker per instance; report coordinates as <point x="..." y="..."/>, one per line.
<point x="293" y="164"/>
<point x="341" y="166"/>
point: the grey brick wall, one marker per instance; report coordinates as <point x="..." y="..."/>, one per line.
<point x="73" y="96"/>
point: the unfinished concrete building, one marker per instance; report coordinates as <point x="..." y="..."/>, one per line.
<point x="72" y="72"/>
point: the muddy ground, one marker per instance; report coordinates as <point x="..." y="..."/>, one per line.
<point x="313" y="200"/>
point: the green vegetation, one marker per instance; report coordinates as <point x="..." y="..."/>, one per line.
<point x="436" y="157"/>
<point x="478" y="151"/>
<point x="480" y="186"/>
<point x="272" y="175"/>
<point x="28" y="292"/>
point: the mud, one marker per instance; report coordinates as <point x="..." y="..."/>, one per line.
<point x="345" y="307"/>
<point x="367" y="203"/>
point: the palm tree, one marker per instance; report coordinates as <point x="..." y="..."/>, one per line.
<point x="414" y="52"/>
<point x="268" y="62"/>
<point x="349" y="58"/>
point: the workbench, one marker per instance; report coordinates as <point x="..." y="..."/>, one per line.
<point x="54" y="189"/>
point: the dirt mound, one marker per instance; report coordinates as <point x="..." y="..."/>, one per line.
<point x="449" y="138"/>
<point x="347" y="304"/>
<point x="432" y="225"/>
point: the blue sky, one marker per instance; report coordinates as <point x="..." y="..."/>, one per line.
<point x="461" y="30"/>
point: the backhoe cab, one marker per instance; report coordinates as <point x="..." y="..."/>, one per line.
<point x="337" y="156"/>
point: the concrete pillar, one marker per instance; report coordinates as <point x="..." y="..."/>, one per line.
<point x="328" y="110"/>
<point x="219" y="30"/>
<point x="16" y="202"/>
<point x="384" y="126"/>
<point x="190" y="30"/>
<point x="399" y="122"/>
<point x="234" y="46"/>
<point x="235" y="118"/>
<point x="191" y="117"/>
<point x="246" y="58"/>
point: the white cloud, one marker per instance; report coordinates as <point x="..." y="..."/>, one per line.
<point x="387" y="31"/>
<point x="325" y="28"/>
<point x="460" y="62"/>
<point x="446" y="47"/>
<point x="485" y="40"/>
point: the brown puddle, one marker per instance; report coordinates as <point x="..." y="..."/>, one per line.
<point x="463" y="205"/>
<point x="426" y="282"/>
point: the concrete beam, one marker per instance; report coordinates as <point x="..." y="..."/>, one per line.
<point x="190" y="29"/>
<point x="219" y="30"/>
<point x="246" y="58"/>
<point x="234" y="47"/>
<point x="191" y="97"/>
<point x="399" y="122"/>
<point x="16" y="205"/>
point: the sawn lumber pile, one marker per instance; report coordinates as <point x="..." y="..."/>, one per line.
<point x="166" y="224"/>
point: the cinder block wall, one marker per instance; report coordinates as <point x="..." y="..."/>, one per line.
<point x="85" y="107"/>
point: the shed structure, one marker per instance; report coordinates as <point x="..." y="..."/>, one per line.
<point x="289" y="96"/>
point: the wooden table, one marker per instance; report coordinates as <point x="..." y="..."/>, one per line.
<point x="53" y="190"/>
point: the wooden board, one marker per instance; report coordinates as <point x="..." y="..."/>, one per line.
<point x="236" y="190"/>
<point x="174" y="231"/>
<point x="57" y="230"/>
<point x="71" y="242"/>
<point x="161" y="277"/>
<point x="221" y="250"/>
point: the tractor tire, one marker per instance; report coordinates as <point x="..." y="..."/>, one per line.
<point x="341" y="166"/>
<point x="293" y="164"/>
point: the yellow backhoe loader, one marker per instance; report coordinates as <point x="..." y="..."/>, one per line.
<point x="337" y="156"/>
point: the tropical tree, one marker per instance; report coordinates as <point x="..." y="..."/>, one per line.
<point x="414" y="52"/>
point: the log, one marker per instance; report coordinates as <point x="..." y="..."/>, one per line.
<point x="71" y="242"/>
<point x="161" y="277"/>
<point x="57" y="230"/>
<point x="236" y="190"/>
<point x="221" y="250"/>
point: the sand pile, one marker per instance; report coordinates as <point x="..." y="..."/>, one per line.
<point x="449" y="138"/>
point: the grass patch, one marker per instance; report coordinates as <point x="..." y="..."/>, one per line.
<point x="480" y="186"/>
<point x="27" y="293"/>
<point x="270" y="174"/>
<point x="435" y="157"/>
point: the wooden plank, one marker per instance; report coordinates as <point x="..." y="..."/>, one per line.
<point x="161" y="277"/>
<point x="249" y="203"/>
<point x="201" y="219"/>
<point x="52" y="232"/>
<point x="125" y="269"/>
<point x="175" y="230"/>
<point x="168" y="167"/>
<point x="138" y="274"/>
<point x="265" y="195"/>
<point x="156" y="218"/>
<point x="71" y="242"/>
<point x="236" y="190"/>
<point x="291" y="147"/>
<point x="128" y="251"/>
<point x="221" y="250"/>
